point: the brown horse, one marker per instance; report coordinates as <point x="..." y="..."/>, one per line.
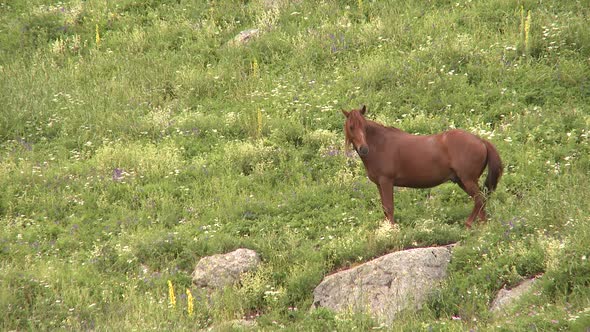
<point x="393" y="157"/>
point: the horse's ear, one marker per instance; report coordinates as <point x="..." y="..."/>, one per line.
<point x="346" y="114"/>
<point x="364" y="110"/>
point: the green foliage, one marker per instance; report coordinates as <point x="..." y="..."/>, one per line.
<point x="138" y="136"/>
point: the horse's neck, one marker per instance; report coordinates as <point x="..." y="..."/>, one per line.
<point x="376" y="130"/>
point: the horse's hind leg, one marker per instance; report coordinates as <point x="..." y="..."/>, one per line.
<point x="472" y="189"/>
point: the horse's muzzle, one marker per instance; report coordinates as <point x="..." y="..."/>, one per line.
<point x="363" y="150"/>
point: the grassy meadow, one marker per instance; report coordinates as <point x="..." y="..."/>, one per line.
<point x="137" y="137"/>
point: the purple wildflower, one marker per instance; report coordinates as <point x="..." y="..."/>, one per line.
<point x="117" y="174"/>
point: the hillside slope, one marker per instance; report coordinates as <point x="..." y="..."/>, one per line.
<point x="136" y="137"/>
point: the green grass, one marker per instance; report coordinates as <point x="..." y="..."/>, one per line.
<point x="126" y="158"/>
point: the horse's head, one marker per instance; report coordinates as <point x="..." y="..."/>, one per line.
<point x="355" y="132"/>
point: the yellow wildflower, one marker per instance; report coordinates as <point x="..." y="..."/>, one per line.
<point x="171" y="294"/>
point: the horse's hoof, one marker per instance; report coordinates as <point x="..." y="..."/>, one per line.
<point x="387" y="229"/>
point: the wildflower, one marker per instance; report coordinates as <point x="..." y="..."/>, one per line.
<point x="255" y="68"/>
<point x="97" y="37"/>
<point x="117" y="174"/>
<point x="259" y="123"/>
<point x="171" y="294"/>
<point x="525" y="26"/>
<point x="189" y="300"/>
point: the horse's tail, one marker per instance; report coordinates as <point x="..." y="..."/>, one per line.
<point x="495" y="167"/>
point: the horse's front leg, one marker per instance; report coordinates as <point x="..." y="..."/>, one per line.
<point x="386" y="192"/>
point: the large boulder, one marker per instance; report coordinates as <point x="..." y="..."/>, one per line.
<point x="387" y="285"/>
<point x="217" y="271"/>
<point x="506" y="297"/>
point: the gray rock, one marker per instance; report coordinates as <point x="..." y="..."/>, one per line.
<point x="506" y="297"/>
<point x="387" y="285"/>
<point x="218" y="271"/>
<point x="244" y="37"/>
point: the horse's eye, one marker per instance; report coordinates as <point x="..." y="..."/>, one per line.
<point x="351" y="127"/>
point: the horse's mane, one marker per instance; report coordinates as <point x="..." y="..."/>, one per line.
<point x="381" y="126"/>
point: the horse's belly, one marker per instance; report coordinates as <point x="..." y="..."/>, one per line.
<point x="424" y="178"/>
<point x="420" y="183"/>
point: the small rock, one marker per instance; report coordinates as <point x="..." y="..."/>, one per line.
<point x="244" y="37"/>
<point x="507" y="296"/>
<point x="217" y="271"/>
